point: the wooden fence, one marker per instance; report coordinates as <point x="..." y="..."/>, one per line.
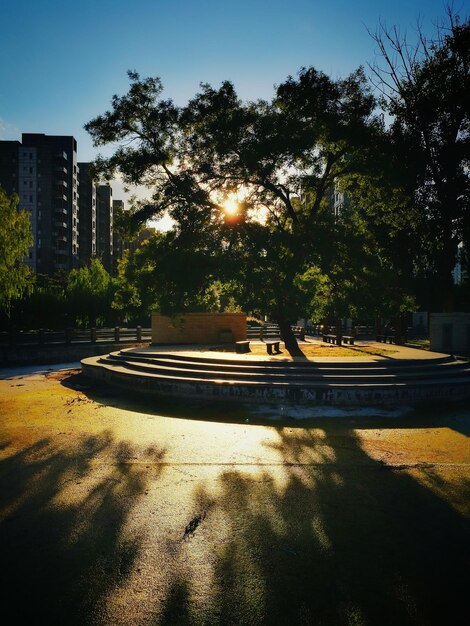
<point x="44" y="337"/>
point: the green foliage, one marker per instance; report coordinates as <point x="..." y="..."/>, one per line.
<point x="90" y="292"/>
<point x="16" y="278"/>
<point x="81" y="297"/>
<point x="45" y="306"/>
<point x="171" y="273"/>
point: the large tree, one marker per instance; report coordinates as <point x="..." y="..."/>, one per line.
<point x="16" y="277"/>
<point x="281" y="157"/>
<point x="426" y="91"/>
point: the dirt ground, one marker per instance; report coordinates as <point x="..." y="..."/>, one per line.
<point x="117" y="510"/>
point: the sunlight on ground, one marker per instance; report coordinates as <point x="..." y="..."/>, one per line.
<point x="200" y="519"/>
<point x="312" y="350"/>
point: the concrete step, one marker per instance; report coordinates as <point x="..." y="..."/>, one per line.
<point x="314" y="375"/>
<point x="383" y="381"/>
<point x="253" y="364"/>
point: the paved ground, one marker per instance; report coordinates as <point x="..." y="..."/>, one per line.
<point x="118" y="511"/>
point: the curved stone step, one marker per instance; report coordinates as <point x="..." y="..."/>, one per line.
<point x="314" y="393"/>
<point x="250" y="362"/>
<point x="266" y="374"/>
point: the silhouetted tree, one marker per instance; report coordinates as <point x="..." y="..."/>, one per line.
<point x="426" y="91"/>
<point x="281" y="157"/>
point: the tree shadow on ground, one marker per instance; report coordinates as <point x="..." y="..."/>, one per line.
<point x="437" y="415"/>
<point x="63" y="511"/>
<point x="332" y="538"/>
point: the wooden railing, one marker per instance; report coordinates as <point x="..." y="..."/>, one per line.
<point x="75" y="336"/>
<point x="322" y="329"/>
<point x="271" y="331"/>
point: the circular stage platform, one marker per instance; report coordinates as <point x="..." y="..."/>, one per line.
<point x="316" y="382"/>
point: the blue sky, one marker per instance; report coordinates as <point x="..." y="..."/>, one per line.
<point x="61" y="61"/>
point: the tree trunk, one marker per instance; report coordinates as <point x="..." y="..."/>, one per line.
<point x="287" y="336"/>
<point x="339" y="332"/>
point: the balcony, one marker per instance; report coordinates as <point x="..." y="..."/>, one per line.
<point x="61" y="238"/>
<point x="61" y="210"/>
<point x="62" y="156"/>
<point x="60" y="169"/>
<point x="61" y="196"/>
<point x="61" y="183"/>
<point x="60" y="224"/>
<point x="60" y="252"/>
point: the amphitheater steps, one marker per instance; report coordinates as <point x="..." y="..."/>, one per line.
<point x="265" y="374"/>
<point x="321" y="383"/>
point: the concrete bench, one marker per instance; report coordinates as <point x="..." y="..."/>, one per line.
<point x="329" y="338"/>
<point x="348" y="339"/>
<point x="272" y="344"/>
<point x="242" y="346"/>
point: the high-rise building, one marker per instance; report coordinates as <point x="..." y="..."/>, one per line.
<point x="69" y="228"/>
<point x="45" y="170"/>
<point x="104" y="225"/>
<point x="9" y="155"/>
<point x="87" y="211"/>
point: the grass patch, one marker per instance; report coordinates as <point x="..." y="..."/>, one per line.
<point x="424" y="344"/>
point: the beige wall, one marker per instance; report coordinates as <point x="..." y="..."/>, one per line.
<point x="198" y="328"/>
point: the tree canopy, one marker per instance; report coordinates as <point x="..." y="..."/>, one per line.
<point x="16" y="277"/>
<point x="280" y="158"/>
<point x="283" y="251"/>
<point x="426" y="91"/>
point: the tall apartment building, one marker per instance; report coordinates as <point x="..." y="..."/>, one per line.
<point x="87" y="211"/>
<point x="9" y="155"/>
<point x="43" y="171"/>
<point x="104" y="226"/>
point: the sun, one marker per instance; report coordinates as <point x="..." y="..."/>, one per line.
<point x="230" y="207"/>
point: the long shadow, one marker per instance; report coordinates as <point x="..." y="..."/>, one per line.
<point x="62" y="543"/>
<point x="455" y="417"/>
<point x="332" y="538"/>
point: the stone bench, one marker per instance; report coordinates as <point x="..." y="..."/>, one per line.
<point x="242" y="346"/>
<point x="272" y="344"/>
<point x="329" y="338"/>
<point x="348" y="339"/>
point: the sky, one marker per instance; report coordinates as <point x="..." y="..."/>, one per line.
<point x="61" y="61"/>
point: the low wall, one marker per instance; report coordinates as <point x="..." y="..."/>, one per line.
<point x="198" y="328"/>
<point x="450" y="332"/>
<point x="43" y="355"/>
